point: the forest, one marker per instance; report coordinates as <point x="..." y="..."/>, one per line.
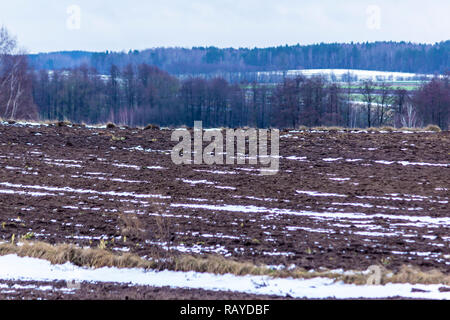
<point x="143" y="94"/>
<point x="382" y="56"/>
<point x="137" y="93"/>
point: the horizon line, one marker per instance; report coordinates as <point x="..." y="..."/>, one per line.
<point x="126" y="51"/>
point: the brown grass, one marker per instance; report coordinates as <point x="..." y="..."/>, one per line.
<point x="330" y="128"/>
<point x="151" y="127"/>
<point x="62" y="253"/>
<point x="162" y="230"/>
<point x="218" y="265"/>
<point x="433" y="128"/>
<point x="302" y="128"/>
<point x="409" y="129"/>
<point x="131" y="226"/>
<point x="98" y="258"/>
<point x="373" y="129"/>
<point x="388" y="128"/>
<point x="410" y="274"/>
<point x="64" y="123"/>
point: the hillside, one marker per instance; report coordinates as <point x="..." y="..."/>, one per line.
<point x="382" y="56"/>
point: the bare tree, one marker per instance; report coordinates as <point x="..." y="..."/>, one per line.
<point x="385" y="100"/>
<point x="15" y="82"/>
<point x="409" y="118"/>
<point x="7" y="42"/>
<point x="368" y="96"/>
<point x="432" y="102"/>
<point x="348" y="82"/>
<point x="400" y="98"/>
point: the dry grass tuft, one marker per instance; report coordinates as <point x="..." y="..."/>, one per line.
<point x="373" y="129"/>
<point x="335" y="128"/>
<point x="218" y="265"/>
<point x="409" y="129"/>
<point x="131" y="226"/>
<point x="98" y="258"/>
<point x="387" y="128"/>
<point x="162" y="230"/>
<point x="302" y="128"/>
<point x="328" y="129"/>
<point x="151" y="127"/>
<point x="321" y="128"/>
<point x="62" y="253"/>
<point x="433" y="127"/>
<point x="410" y="274"/>
<point x="63" y="123"/>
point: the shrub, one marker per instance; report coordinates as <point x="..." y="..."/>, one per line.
<point x="63" y="123"/>
<point x="433" y="127"/>
<point x="387" y="128"/>
<point x="151" y="127"/>
<point x="303" y="128"/>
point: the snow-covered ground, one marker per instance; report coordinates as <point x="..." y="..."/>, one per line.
<point x="361" y="74"/>
<point x="13" y="267"/>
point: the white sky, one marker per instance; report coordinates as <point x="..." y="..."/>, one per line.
<point x="137" y="24"/>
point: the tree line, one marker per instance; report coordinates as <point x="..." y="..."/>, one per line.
<point x="143" y="94"/>
<point x="241" y="63"/>
<point x="139" y="94"/>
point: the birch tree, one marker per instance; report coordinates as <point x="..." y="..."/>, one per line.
<point x="15" y="82"/>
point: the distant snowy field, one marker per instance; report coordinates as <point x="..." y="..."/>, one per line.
<point x="361" y="74"/>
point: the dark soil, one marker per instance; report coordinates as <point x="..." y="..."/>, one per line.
<point x="58" y="290"/>
<point x="288" y="228"/>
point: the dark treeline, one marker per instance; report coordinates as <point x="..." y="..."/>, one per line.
<point x="137" y="95"/>
<point x="382" y="56"/>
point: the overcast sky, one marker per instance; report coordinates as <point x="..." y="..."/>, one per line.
<point x="54" y="25"/>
